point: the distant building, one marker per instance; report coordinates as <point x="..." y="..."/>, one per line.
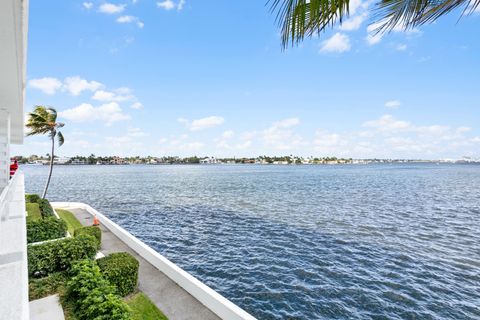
<point x="78" y="162"/>
<point x="210" y="160"/>
<point x="61" y="160"/>
<point x="117" y="160"/>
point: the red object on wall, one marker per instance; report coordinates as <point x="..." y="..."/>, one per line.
<point x="13" y="167"/>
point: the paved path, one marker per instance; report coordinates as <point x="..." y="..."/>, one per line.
<point x="173" y="300"/>
<point x="47" y="308"/>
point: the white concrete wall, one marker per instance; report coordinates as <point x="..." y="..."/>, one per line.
<point x="13" y="251"/>
<point x="218" y="304"/>
<point x="4" y="148"/>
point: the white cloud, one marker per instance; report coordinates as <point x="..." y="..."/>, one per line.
<point x="203" y="123"/>
<point x="181" y="4"/>
<point x="130" y="19"/>
<point x="110" y="8"/>
<point x="401" y="47"/>
<point x="47" y="85"/>
<point x="167" y="4"/>
<point x="137" y="106"/>
<point x="387" y="123"/>
<point x="126" y="19"/>
<point x="87" y="5"/>
<point x="136" y="133"/>
<point x="338" y="43"/>
<point x="117" y="96"/>
<point x="353" y="23"/>
<point x="109" y="113"/>
<point x="228" y="134"/>
<point x="76" y="85"/>
<point x="286" y="123"/>
<point x="373" y="36"/>
<point x="280" y="135"/>
<point x="393" y="104"/>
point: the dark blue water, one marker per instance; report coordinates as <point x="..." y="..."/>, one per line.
<point x="304" y="242"/>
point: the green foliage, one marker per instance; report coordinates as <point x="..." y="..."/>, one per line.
<point x="40" y="288"/>
<point x="32" y="198"/>
<point x="33" y="212"/>
<point x="59" y="255"/>
<point x="92" y="296"/>
<point x="45" y="229"/>
<point x="121" y="270"/>
<point x="69" y="218"/>
<point x="92" y="231"/>
<point x="45" y="208"/>
<point x="144" y="309"/>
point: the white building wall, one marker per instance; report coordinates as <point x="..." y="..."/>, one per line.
<point x="4" y="148"/>
<point x="13" y="251"/>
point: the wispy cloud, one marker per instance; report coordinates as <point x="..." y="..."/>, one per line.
<point x="170" y="5"/>
<point x="203" y="123"/>
<point x="87" y="5"/>
<point x="110" y="8"/>
<point x="338" y="43"/>
<point x="393" y="104"/>
<point x="108" y="113"/>
<point x="130" y="19"/>
<point x="47" y="85"/>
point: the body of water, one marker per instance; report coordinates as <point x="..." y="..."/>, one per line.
<point x="392" y="241"/>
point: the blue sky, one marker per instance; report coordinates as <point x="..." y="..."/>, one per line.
<point x="209" y="78"/>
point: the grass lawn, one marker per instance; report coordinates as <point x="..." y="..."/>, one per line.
<point x="33" y="211"/>
<point x="69" y="218"/>
<point x="143" y="308"/>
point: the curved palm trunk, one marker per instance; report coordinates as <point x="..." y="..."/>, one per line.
<point x="52" y="156"/>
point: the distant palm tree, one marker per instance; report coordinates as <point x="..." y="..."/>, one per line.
<point x="43" y="120"/>
<point x="303" y="18"/>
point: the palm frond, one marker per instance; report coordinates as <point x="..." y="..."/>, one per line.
<point x="303" y="18"/>
<point x="52" y="114"/>
<point x="61" y="139"/>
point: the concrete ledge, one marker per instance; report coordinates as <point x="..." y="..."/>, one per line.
<point x="211" y="299"/>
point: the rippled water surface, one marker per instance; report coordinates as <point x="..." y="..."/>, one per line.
<point x="303" y="242"/>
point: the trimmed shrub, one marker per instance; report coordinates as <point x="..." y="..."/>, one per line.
<point x="93" y="231"/>
<point x="46" y="286"/>
<point x="92" y="296"/>
<point x="32" y="198"/>
<point x="121" y="270"/>
<point x="45" y="229"/>
<point x="59" y="255"/>
<point x="45" y="208"/>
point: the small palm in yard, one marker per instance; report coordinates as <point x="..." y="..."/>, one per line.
<point x="43" y="120"/>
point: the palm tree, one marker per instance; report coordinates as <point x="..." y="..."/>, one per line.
<point x="43" y="120"/>
<point x="303" y="18"/>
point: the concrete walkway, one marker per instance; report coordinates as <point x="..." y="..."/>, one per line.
<point x="173" y="300"/>
<point x="47" y="308"/>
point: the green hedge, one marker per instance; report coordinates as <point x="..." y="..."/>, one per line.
<point x="45" y="208"/>
<point x="32" y="198"/>
<point x="59" y="255"/>
<point x="121" y="270"/>
<point x="92" y="296"/>
<point x="91" y="231"/>
<point x="45" y="229"/>
<point x="44" y="205"/>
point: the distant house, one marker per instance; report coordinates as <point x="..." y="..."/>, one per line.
<point x="210" y="160"/>
<point x="117" y="160"/>
<point x="61" y="160"/>
<point x="78" y="162"/>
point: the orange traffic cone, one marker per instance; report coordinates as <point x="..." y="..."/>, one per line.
<point x="96" y="222"/>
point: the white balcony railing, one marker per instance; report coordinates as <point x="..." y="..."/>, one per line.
<point x="13" y="251"/>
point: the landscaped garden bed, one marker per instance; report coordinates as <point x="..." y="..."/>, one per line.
<point x="42" y="223"/>
<point x="89" y="289"/>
